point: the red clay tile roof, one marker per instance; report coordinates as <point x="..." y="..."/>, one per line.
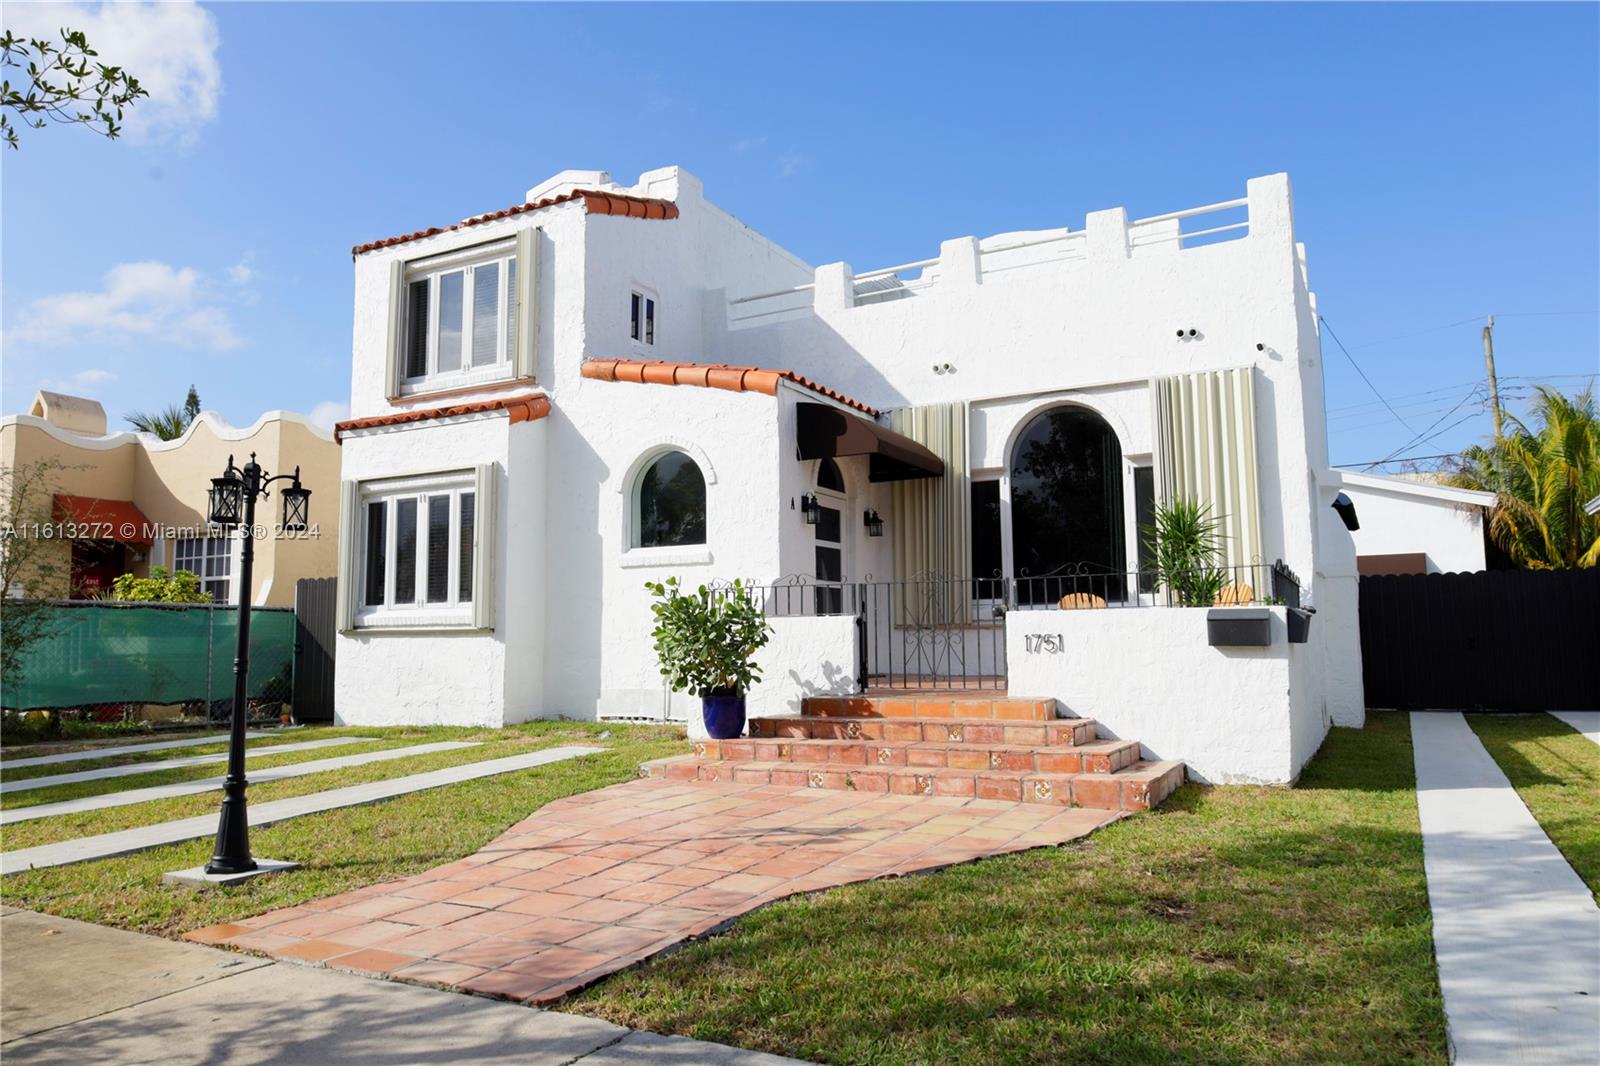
<point x="594" y="202"/>
<point x="521" y="408"/>
<point x="709" y="375"/>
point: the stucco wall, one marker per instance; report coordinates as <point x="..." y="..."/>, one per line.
<point x="1232" y="714"/>
<point x="168" y="481"/>
<point x="1398" y="517"/>
<point x="401" y="676"/>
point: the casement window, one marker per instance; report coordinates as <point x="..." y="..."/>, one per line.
<point x="211" y="560"/>
<point x="420" y="553"/>
<point x="642" y="318"/>
<point x="462" y="318"/>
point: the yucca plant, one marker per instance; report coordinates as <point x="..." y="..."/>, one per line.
<point x="1186" y="550"/>
<point x="1541" y="477"/>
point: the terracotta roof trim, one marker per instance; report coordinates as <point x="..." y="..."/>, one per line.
<point x="711" y="376"/>
<point x="520" y="408"/>
<point x="594" y="202"/>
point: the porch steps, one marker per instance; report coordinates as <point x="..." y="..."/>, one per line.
<point x="979" y="747"/>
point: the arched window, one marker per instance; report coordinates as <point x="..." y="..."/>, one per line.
<point x="829" y="477"/>
<point x="1066" y="502"/>
<point x="670" y="503"/>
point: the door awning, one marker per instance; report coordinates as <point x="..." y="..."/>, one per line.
<point x="92" y="518"/>
<point x="826" y="432"/>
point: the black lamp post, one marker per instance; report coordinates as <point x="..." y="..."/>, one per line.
<point x="233" y="503"/>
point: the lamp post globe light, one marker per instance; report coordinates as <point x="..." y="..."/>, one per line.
<point x="233" y="503"/>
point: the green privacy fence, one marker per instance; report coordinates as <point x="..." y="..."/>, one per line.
<point x="99" y="652"/>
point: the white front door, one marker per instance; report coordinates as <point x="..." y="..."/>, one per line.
<point x="831" y="542"/>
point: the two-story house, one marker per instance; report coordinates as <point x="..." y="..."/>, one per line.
<point x="938" y="472"/>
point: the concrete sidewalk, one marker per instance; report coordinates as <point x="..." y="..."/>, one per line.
<point x="73" y="993"/>
<point x="1585" y="722"/>
<point x="1515" y="930"/>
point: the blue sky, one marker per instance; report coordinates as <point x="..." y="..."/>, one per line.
<point x="1445" y="159"/>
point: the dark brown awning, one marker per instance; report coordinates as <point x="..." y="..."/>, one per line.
<point x="826" y="432"/>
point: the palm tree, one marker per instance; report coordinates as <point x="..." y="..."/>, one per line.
<point x="167" y="423"/>
<point x="1541" y="478"/>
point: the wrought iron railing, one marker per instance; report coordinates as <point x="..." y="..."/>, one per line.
<point x="938" y="633"/>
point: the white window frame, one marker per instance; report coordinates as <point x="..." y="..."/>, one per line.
<point x="648" y="330"/>
<point x="214" y="546"/>
<point x="466" y="260"/>
<point x="453" y="612"/>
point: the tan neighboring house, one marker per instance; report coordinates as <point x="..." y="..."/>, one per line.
<point x="130" y="501"/>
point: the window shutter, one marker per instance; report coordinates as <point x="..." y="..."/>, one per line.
<point x="486" y="522"/>
<point x="397" y="329"/>
<point x="526" y="305"/>
<point x="349" y="586"/>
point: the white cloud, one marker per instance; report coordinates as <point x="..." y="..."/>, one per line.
<point x="171" y="48"/>
<point x="241" y="272"/>
<point x="326" y="413"/>
<point x="790" y="163"/>
<point x="150" y="300"/>
<point x="93" y="377"/>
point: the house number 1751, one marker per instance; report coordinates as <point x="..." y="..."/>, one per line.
<point x="1043" y="643"/>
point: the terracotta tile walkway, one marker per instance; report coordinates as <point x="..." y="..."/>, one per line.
<point x="591" y="884"/>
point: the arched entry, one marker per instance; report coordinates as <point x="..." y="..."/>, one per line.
<point x="1066" y="507"/>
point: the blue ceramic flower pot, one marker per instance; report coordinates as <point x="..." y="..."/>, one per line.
<point x="723" y="711"/>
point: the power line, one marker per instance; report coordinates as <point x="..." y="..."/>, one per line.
<point x="1363" y="373"/>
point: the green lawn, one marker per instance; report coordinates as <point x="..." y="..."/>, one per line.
<point x="1251" y="925"/>
<point x="1556" y="771"/>
<point x="262" y="739"/>
<point x="341" y="849"/>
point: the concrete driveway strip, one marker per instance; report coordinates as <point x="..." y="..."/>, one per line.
<point x="1585" y="722"/>
<point x="8" y="787"/>
<point x="210" y="784"/>
<point x="85" y="754"/>
<point x="75" y="993"/>
<point x="1515" y="930"/>
<point x="142" y="838"/>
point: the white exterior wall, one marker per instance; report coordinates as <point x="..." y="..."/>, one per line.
<point x="1399" y="516"/>
<point x="413" y="677"/>
<point x="1234" y="715"/>
<point x="1021" y="333"/>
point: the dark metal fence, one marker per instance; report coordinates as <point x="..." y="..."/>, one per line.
<point x="943" y="633"/>
<point x="315" y="629"/>
<point x="1512" y="640"/>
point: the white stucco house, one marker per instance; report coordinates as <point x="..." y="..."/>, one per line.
<point x="1416" y="526"/>
<point x="931" y="468"/>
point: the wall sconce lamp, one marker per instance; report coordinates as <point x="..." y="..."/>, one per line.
<point x="873" y="523"/>
<point x="810" y="508"/>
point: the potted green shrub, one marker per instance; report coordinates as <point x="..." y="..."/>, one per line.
<point x="706" y="641"/>
<point x="1186" y="550"/>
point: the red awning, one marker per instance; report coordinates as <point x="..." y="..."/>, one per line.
<point x="95" y="519"/>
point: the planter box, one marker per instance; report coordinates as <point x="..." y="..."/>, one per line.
<point x="1299" y="619"/>
<point x="1239" y="627"/>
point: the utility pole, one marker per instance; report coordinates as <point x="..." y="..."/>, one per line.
<point x="1494" y="383"/>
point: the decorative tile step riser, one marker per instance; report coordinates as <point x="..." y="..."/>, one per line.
<point x="1010" y="710"/>
<point x="1103" y="757"/>
<point x="1135" y="789"/>
<point x="1063" y="732"/>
